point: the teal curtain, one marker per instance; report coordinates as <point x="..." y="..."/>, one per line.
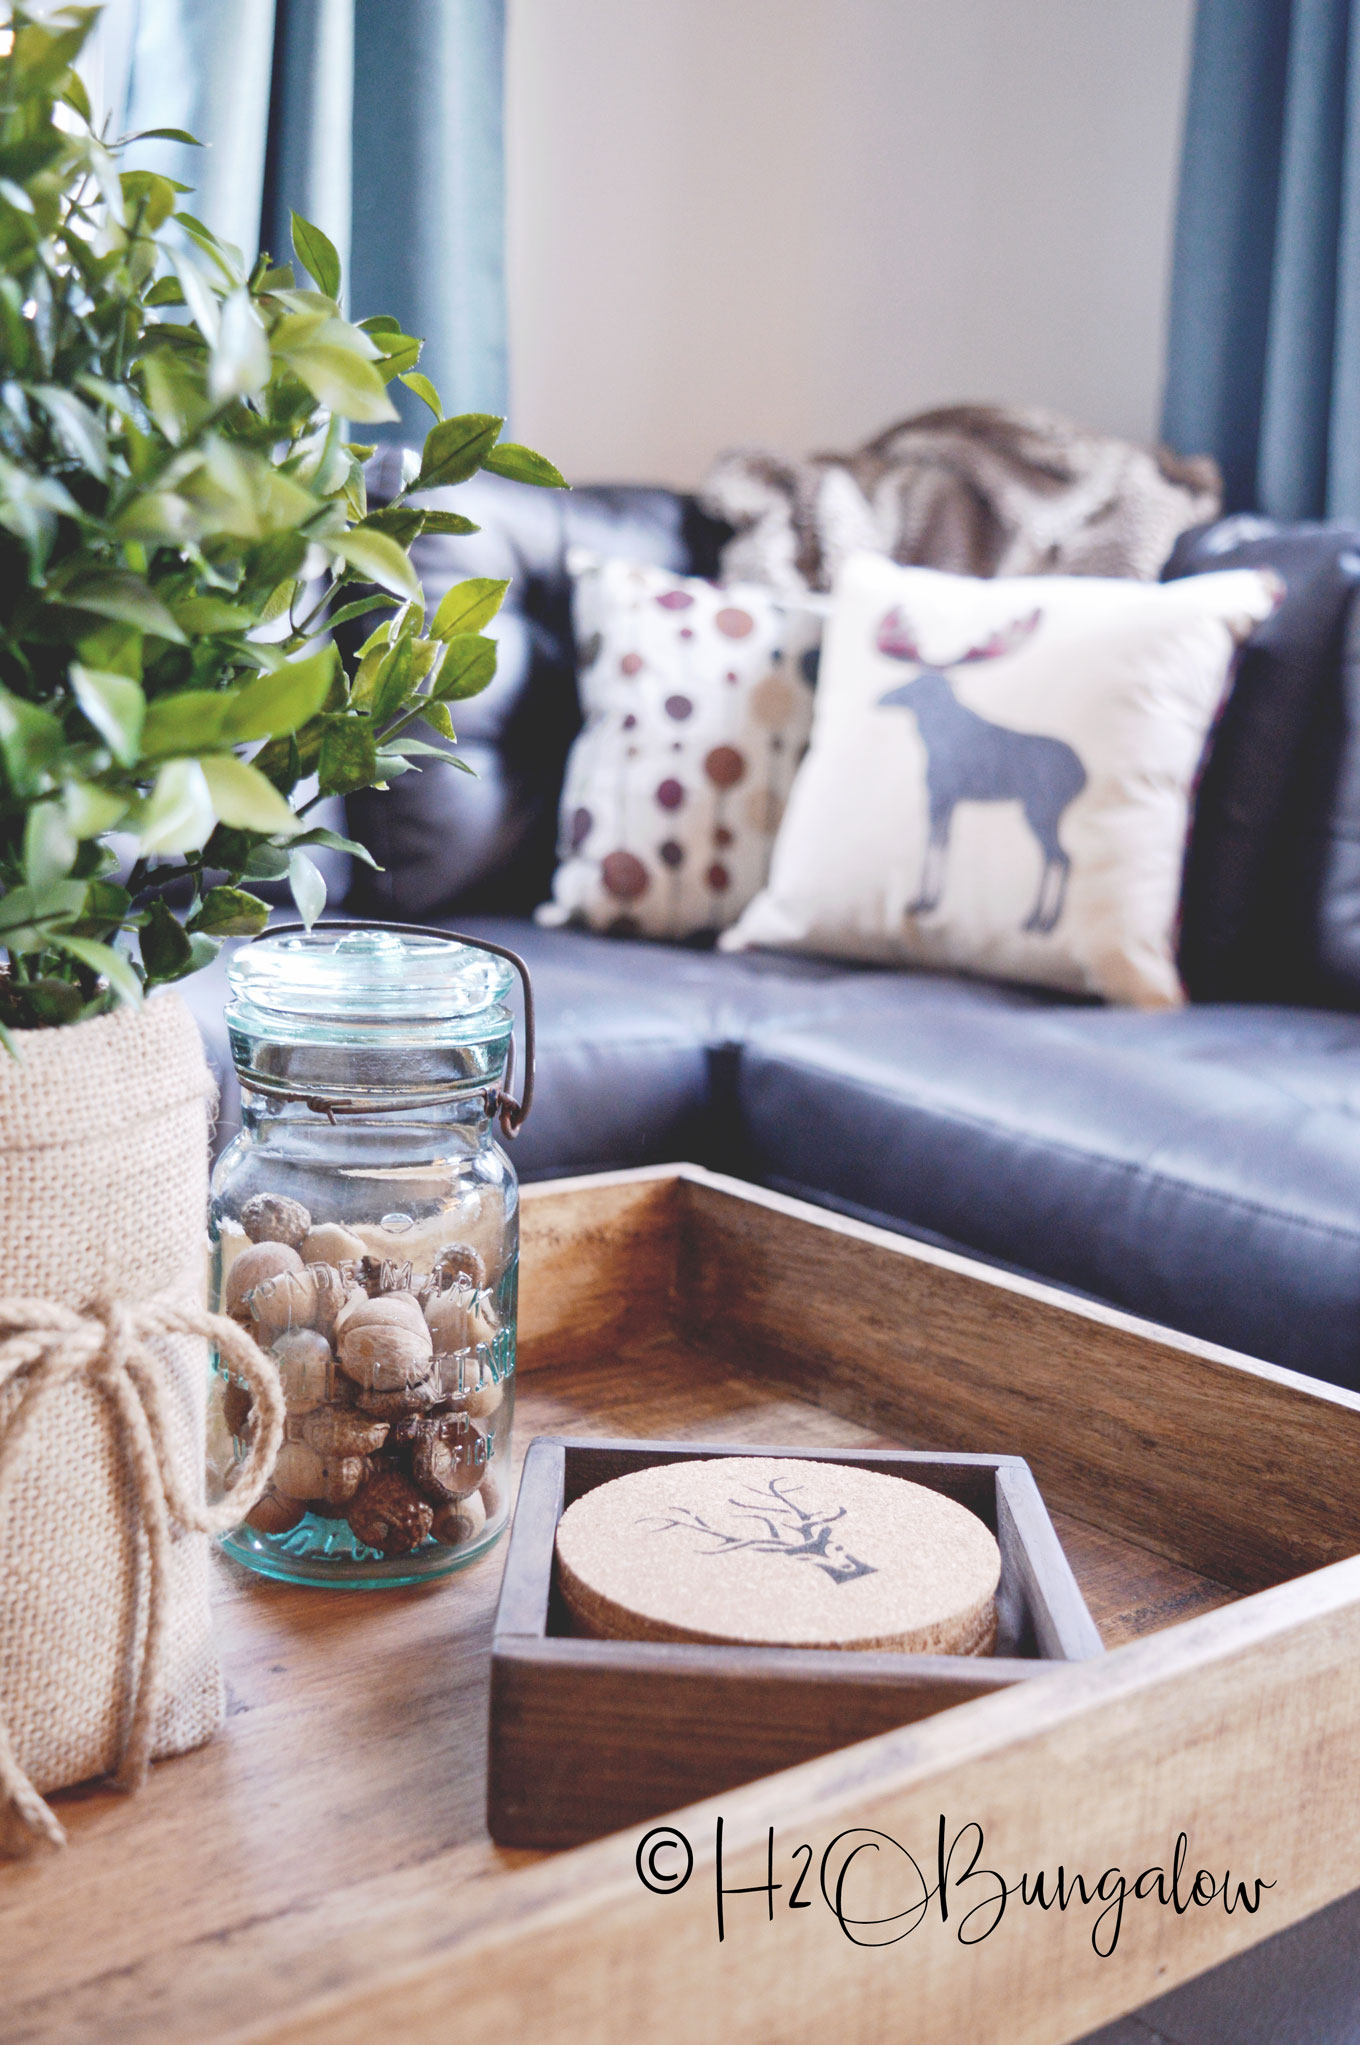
<point x="1263" y="360"/>
<point x="381" y="120"/>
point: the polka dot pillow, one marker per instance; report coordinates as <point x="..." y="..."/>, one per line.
<point x="697" y="704"/>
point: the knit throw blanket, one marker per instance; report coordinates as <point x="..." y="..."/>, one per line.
<point x="979" y="489"/>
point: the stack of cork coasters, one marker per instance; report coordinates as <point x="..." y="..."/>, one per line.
<point x="768" y="1551"/>
<point x="677" y="1618"/>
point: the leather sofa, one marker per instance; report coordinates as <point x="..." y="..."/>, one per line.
<point x="1200" y="1167"/>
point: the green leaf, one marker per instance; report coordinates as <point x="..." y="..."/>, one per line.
<point x="178" y="814"/>
<point x="164" y="135"/>
<point x="317" y="254"/>
<point x="62" y="898"/>
<point x="115" y="707"/>
<point x="448" y="522"/>
<point x="468" y="666"/>
<point x="205" y="615"/>
<point x="152" y="195"/>
<point x="31" y="741"/>
<point x="468" y="606"/>
<point x="341" y="380"/>
<point x="117" y="649"/>
<point x="242" y="797"/>
<point x="308" y="886"/>
<point x="230" y="912"/>
<point x="239" y="365"/>
<point x="187" y="722"/>
<point x="423" y="388"/>
<point x="348" y="757"/>
<point x="338" y="844"/>
<point x="105" y="907"/>
<point x="395" y="681"/>
<point x="359" y="609"/>
<point x="75" y="95"/>
<point x="438" y="717"/>
<point x="275" y="704"/>
<point x="77" y="428"/>
<point x="279" y="601"/>
<point x="53" y="1002"/>
<point x="91" y="811"/>
<point x="378" y="557"/>
<point x="522" y="465"/>
<point x="114" y="593"/>
<point x="266" y="862"/>
<point x="109" y="964"/>
<point x="49" y="847"/>
<point x="456" y="448"/>
<point x="398" y="353"/>
<point x="205" y="308"/>
<point x="167" y="953"/>
<point x="409" y="747"/>
<point x="225" y="254"/>
<point x="401" y="522"/>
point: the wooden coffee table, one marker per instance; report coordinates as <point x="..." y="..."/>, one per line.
<point x="322" y="1871"/>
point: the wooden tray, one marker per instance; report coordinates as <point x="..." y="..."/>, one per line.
<point x="321" y="1874"/>
<point x="587" y="1736"/>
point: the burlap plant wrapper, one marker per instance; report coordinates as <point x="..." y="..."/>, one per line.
<point x="103" y="1193"/>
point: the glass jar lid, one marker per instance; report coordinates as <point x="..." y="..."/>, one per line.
<point x="362" y="1011"/>
<point x="346" y="988"/>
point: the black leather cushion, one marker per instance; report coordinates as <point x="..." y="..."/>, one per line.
<point x="1197" y="1167"/>
<point x="1200" y="1167"/>
<point x="448" y="843"/>
<point x="1256" y="865"/>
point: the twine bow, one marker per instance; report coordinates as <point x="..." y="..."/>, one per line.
<point x="47" y="1347"/>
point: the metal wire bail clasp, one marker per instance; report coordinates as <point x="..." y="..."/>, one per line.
<point x="512" y="1114"/>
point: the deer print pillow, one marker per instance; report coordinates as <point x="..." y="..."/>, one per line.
<point x="1001" y="773"/>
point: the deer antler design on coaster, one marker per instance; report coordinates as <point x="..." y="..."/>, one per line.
<point x="971" y="759"/>
<point x="885" y="1563"/>
<point x="799" y="1534"/>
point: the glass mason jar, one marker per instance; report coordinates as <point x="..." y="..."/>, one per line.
<point x="366" y="1231"/>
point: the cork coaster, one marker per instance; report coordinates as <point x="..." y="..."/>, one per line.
<point x="780" y="1553"/>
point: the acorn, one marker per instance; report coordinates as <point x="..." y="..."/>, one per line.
<point x="331" y="1244"/>
<point x="341" y="1431"/>
<point x="468" y="1385"/>
<point x="408" y="1401"/>
<point x="457" y="1524"/>
<point x="460" y="1263"/>
<point x="385" y="1356"/>
<point x="389" y="1513"/>
<point x="254" y="1267"/>
<point x="397" y="1309"/>
<point x="460" y="1319"/>
<point x="274" y="1514"/>
<point x="444" y="1469"/>
<point x="308" y="1297"/>
<point x="299" y="1471"/>
<point x="270" y="1218"/>
<point x="306" y="1368"/>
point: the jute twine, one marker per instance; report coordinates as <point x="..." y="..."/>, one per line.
<point x="44" y="1349"/>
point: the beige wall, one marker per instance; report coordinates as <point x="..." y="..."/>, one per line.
<point x="791" y="221"/>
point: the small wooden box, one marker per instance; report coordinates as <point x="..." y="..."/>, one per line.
<point x="591" y="1735"/>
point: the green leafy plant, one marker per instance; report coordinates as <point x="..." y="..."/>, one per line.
<point x="182" y="521"/>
